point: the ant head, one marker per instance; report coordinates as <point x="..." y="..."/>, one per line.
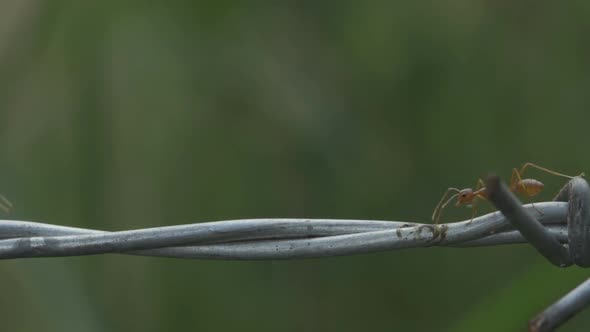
<point x="465" y="196"/>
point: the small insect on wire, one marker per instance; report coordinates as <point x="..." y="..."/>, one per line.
<point x="526" y="187"/>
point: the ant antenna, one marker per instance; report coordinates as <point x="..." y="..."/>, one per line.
<point x="449" y="200"/>
<point x="440" y="205"/>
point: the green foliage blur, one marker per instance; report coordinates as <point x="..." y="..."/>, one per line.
<point x="127" y="114"/>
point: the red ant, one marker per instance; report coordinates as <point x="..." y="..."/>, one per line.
<point x="527" y="187"/>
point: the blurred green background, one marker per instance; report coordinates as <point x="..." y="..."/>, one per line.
<point x="128" y="114"/>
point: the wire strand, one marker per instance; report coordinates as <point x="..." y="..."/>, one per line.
<point x="268" y="239"/>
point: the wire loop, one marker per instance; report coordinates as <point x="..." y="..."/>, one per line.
<point x="577" y="194"/>
<point x="527" y="223"/>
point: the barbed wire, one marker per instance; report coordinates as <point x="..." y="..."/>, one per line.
<point x="562" y="310"/>
<point x="577" y="251"/>
<point x="270" y="238"/>
<point x="559" y="230"/>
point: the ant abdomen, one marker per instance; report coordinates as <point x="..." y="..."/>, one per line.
<point x="528" y="187"/>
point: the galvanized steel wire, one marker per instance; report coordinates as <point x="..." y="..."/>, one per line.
<point x="559" y="230"/>
<point x="270" y="239"/>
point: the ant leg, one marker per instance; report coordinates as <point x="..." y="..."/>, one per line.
<point x="473" y="210"/>
<point x="515" y="179"/>
<point x="440" y="206"/>
<point x="480" y="184"/>
<point x="523" y="168"/>
<point x="538" y="211"/>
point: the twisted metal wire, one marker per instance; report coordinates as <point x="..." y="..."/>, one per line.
<point x="559" y="230"/>
<point x="271" y="239"/>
